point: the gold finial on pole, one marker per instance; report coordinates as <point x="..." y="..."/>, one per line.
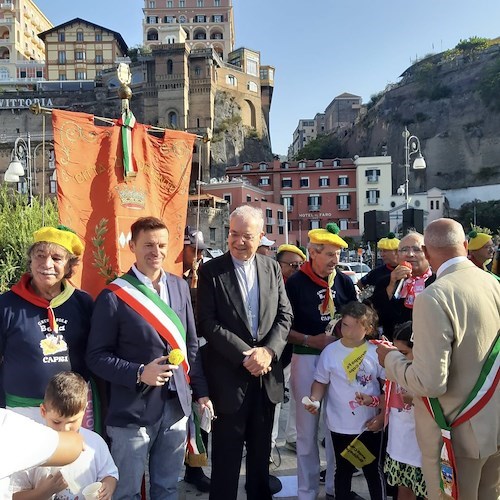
<point x="124" y="92"/>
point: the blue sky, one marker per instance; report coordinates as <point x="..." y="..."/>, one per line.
<point x="320" y="48"/>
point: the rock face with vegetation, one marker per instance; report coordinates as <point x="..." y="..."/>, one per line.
<point x="232" y="142"/>
<point x="451" y="101"/>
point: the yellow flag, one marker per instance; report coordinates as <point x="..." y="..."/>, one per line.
<point x="358" y="454"/>
<point x="352" y="362"/>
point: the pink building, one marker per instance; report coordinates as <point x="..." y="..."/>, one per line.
<point x="301" y="194"/>
<point x="240" y="192"/>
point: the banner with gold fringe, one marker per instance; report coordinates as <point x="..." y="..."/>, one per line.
<point x="100" y="203"/>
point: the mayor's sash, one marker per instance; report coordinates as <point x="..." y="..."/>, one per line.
<point x="481" y="393"/>
<point x="157" y="313"/>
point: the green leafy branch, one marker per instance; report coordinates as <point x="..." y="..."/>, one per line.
<point x="101" y="260"/>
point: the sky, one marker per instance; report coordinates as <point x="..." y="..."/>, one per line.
<point x="320" y="48"/>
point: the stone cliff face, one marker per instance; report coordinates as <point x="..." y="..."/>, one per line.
<point x="438" y="99"/>
<point x="232" y="142"/>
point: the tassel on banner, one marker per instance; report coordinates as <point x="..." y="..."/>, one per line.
<point x="196" y="454"/>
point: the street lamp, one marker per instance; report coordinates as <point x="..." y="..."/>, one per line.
<point x="21" y="151"/>
<point x="412" y="147"/>
<point x="24" y="155"/>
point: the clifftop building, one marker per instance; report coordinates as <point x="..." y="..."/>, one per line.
<point x="22" y="52"/>
<point x="207" y="23"/>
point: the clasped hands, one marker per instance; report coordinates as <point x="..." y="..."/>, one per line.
<point x="258" y="360"/>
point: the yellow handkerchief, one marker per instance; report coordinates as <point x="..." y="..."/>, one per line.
<point x="352" y="362"/>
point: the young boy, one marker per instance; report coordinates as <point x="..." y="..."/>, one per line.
<point x="63" y="410"/>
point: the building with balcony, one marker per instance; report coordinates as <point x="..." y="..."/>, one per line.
<point x="81" y="50"/>
<point x="312" y="193"/>
<point x="212" y="214"/>
<point x="22" y="52"/>
<point x="238" y="191"/>
<point x="207" y="23"/>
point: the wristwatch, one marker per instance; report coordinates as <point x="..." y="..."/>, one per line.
<point x="304" y="342"/>
<point x="139" y="374"/>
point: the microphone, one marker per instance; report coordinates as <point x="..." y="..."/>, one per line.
<point x="397" y="292"/>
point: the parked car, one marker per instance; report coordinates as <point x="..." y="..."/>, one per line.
<point x="358" y="268"/>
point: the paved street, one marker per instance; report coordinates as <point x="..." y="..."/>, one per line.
<point x="287" y="467"/>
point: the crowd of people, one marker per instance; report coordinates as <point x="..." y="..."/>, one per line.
<point x="402" y="378"/>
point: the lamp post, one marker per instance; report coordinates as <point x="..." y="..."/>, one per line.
<point x="23" y="155"/>
<point x="412" y="147"/>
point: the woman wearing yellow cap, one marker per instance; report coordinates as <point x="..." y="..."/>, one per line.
<point x="44" y="321"/>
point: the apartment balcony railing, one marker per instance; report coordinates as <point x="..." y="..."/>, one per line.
<point x="344" y="206"/>
<point x="314" y="208"/>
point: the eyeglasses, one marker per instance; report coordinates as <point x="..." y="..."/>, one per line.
<point x="295" y="265"/>
<point x="415" y="250"/>
<point x="245" y="237"/>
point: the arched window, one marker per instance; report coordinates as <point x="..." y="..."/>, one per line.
<point x="170" y="67"/>
<point x="172" y="119"/>
<point x="152" y="35"/>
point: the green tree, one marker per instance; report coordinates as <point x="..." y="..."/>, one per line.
<point x="138" y="50"/>
<point x="324" y="146"/>
<point x="472" y="46"/>
<point x="18" y="222"/>
<point x="484" y="213"/>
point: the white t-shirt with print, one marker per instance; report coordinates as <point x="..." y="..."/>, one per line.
<point x="94" y="464"/>
<point x="24" y="444"/>
<point x="402" y="442"/>
<point x="343" y="415"/>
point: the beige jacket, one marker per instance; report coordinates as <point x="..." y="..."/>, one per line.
<point x="455" y="322"/>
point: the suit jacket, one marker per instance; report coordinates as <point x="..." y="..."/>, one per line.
<point x="222" y="320"/>
<point x="455" y="322"/>
<point x="121" y="340"/>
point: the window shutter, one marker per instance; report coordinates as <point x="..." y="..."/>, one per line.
<point x="378" y="172"/>
<point x="348" y="198"/>
<point x="367" y="173"/>
<point x="338" y="199"/>
<point x="319" y="200"/>
<point x="367" y="194"/>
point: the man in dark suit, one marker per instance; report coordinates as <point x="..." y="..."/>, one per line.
<point x="245" y="316"/>
<point x="137" y="319"/>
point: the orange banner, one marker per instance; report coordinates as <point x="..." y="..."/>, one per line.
<point x="99" y="204"/>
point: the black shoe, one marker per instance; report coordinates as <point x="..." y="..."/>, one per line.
<point x="196" y="477"/>
<point x="274" y="485"/>
<point x="322" y="476"/>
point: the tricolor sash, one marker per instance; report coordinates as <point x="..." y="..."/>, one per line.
<point x="481" y="393"/>
<point x="157" y="313"/>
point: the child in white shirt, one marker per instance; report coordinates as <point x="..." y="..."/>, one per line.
<point x="63" y="410"/>
<point x="403" y="461"/>
<point x="345" y="368"/>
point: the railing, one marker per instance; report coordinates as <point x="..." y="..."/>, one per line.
<point x="371" y="180"/>
<point x="344" y="206"/>
<point x="314" y="208"/>
<point x="270" y="221"/>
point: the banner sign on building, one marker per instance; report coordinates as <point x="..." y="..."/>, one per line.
<point x="99" y="204"/>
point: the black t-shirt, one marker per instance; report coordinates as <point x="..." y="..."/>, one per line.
<point x="306" y="298"/>
<point x="391" y="312"/>
<point x="375" y="275"/>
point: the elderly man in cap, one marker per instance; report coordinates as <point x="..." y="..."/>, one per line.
<point x="481" y="250"/>
<point x="388" y="250"/>
<point x="265" y="245"/>
<point x="316" y="293"/>
<point x="45" y="321"/>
